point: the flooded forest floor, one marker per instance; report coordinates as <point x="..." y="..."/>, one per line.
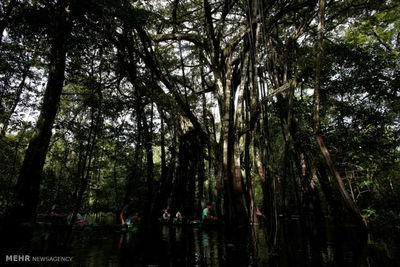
<point x="296" y="244"/>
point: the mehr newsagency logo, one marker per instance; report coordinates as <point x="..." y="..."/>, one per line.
<point x="29" y="258"/>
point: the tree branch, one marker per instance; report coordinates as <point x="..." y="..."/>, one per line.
<point x="193" y="38"/>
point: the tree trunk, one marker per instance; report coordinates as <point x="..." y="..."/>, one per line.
<point x="201" y="174"/>
<point x="148" y="130"/>
<point x="252" y="205"/>
<point x="28" y="184"/>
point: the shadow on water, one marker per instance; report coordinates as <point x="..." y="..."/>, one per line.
<point x="299" y="244"/>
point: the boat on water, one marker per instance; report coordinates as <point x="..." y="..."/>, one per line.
<point x="199" y="223"/>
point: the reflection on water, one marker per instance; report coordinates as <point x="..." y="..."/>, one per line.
<point x="297" y="245"/>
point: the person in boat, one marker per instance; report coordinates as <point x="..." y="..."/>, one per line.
<point x="166" y="216"/>
<point x="80" y="220"/>
<point x="179" y="217"/>
<point x="207" y="214"/>
<point x="127" y="214"/>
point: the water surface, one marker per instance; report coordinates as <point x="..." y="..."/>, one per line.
<point x="296" y="244"/>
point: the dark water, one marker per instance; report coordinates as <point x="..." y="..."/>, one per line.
<point x="295" y="245"/>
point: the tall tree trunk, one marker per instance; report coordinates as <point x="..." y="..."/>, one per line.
<point x="202" y="166"/>
<point x="28" y="184"/>
<point x="219" y="179"/>
<point x="249" y="186"/>
<point x="201" y="174"/>
<point x="115" y="184"/>
<point x="351" y="205"/>
<point x="185" y="182"/>
<point x="235" y="206"/>
<point x="148" y="130"/>
<point x="262" y="146"/>
<point x="163" y="159"/>
<point x="221" y="65"/>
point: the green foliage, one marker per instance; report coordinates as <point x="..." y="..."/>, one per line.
<point x="110" y="111"/>
<point x="362" y="111"/>
<point x="380" y="27"/>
